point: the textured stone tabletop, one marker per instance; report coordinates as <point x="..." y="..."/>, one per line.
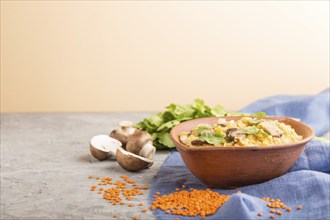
<point x="45" y="164"/>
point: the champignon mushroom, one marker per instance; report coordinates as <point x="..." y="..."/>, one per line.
<point x="222" y="122"/>
<point x="271" y="129"/>
<point x="140" y="143"/>
<point x="197" y="142"/>
<point x="125" y="129"/>
<point x="234" y="134"/>
<point x="132" y="162"/>
<point x="102" y="146"/>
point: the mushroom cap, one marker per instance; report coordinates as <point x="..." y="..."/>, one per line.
<point x="102" y="146"/>
<point x="120" y="137"/>
<point x="98" y="154"/>
<point x="132" y="162"/>
<point x="136" y="141"/>
<point x="125" y="124"/>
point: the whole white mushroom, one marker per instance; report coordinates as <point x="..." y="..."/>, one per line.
<point x="124" y="130"/>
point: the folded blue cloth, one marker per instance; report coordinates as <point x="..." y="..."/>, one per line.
<point x="307" y="183"/>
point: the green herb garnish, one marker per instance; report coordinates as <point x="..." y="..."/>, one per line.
<point x="212" y="138"/>
<point x="203" y="127"/>
<point x="254" y="131"/>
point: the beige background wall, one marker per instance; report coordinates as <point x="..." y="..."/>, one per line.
<point x="141" y="56"/>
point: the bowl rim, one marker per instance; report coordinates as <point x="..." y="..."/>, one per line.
<point x="180" y="146"/>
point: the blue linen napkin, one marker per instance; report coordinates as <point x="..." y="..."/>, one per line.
<point x="307" y="183"/>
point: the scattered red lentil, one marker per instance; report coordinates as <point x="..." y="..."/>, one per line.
<point x="266" y="199"/>
<point x="193" y="203"/>
<point x="278" y="212"/>
<point x="276" y="203"/>
<point x="118" y="191"/>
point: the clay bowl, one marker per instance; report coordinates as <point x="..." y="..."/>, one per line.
<point x="232" y="167"/>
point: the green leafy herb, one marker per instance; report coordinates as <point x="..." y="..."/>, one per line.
<point x="203" y="127"/>
<point x="254" y="130"/>
<point x="260" y="114"/>
<point x="164" y="139"/>
<point x="218" y="111"/>
<point x="214" y="139"/>
<point x="254" y="121"/>
<point x="160" y="125"/>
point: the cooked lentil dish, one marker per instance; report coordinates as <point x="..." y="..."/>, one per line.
<point x="246" y="131"/>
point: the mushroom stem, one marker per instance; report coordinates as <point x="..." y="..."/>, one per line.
<point x="127" y="130"/>
<point x="113" y="151"/>
<point x="148" y="150"/>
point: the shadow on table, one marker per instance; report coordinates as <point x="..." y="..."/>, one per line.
<point x="87" y="158"/>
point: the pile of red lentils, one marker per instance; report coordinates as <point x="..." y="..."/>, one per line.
<point x="118" y="191"/>
<point x="189" y="203"/>
<point x="205" y="202"/>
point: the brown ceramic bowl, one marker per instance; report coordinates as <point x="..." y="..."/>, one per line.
<point x="232" y="167"/>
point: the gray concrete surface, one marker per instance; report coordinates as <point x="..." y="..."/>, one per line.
<point x="45" y="164"/>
